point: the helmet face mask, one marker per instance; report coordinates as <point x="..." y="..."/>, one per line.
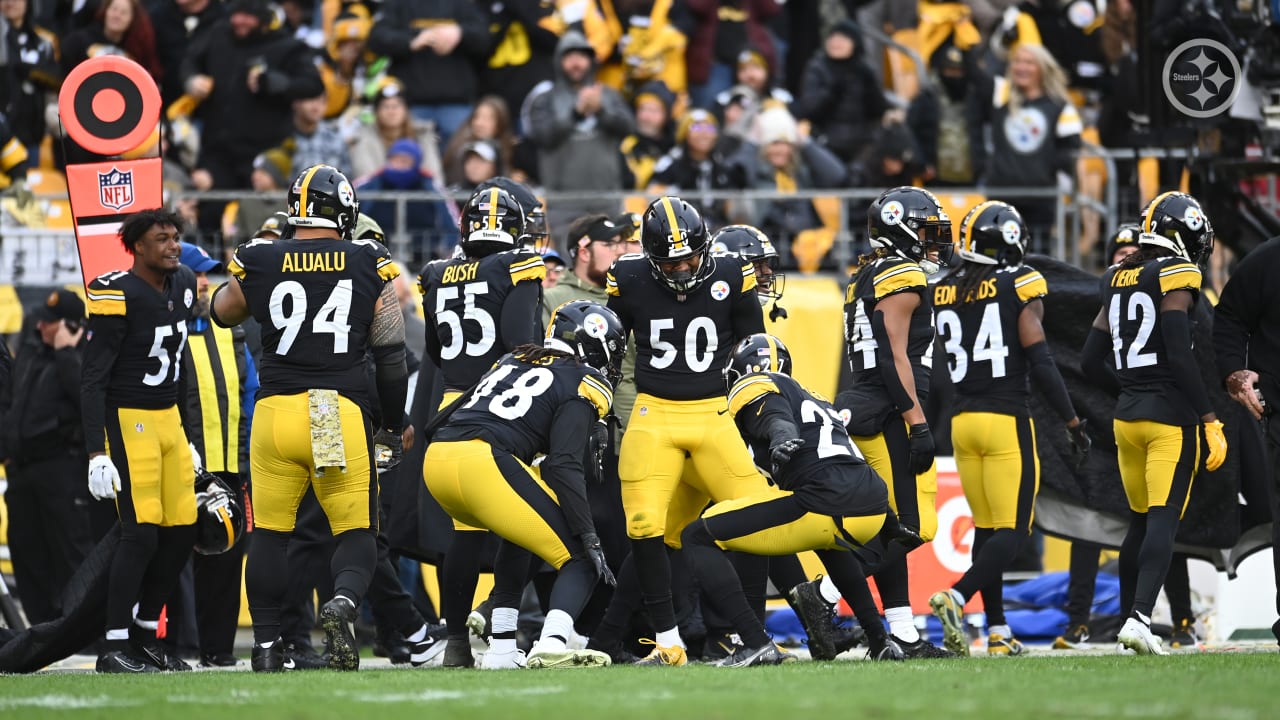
<point x="992" y="233"/>
<point x="492" y="221"/>
<point x="220" y="515"/>
<point x="1176" y="222"/>
<point x="749" y="243"/>
<point x="760" y="352"/>
<point x="592" y="333"/>
<point x="911" y="222"/>
<point x="675" y="240"/>
<point x="322" y="197"/>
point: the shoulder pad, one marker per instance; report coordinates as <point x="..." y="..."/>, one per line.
<point x="1030" y="284"/>
<point x="893" y="275"/>
<point x="736" y="267"/>
<point x="595" y="389"/>
<point x="524" y="265"/>
<point x="388" y="270"/>
<point x="748" y="389"/>
<point x="621" y="271"/>
<point x="106" y="296"/>
<point x="242" y="258"/>
<point x="1179" y="275"/>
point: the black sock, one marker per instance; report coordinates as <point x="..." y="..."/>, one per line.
<point x="461" y="569"/>
<point x="721" y="584"/>
<point x="352" y="565"/>
<point x="850" y="579"/>
<point x="1153" y="559"/>
<point x="573" y="585"/>
<point x="624" y="604"/>
<point x="1177" y="588"/>
<point x="1130" y="548"/>
<point x="173" y="551"/>
<point x="266" y="581"/>
<point x="786" y="572"/>
<point x="133" y="556"/>
<point x="993" y="553"/>
<point x="753" y="573"/>
<point x="654" y="569"/>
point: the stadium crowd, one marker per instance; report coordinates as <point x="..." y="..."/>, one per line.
<point x="652" y="520"/>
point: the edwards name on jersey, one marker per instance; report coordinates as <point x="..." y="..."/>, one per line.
<point x="1131" y="297"/>
<point x="683" y="342"/>
<point x="466" y="297"/>
<point x="315" y="300"/>
<point x="514" y="406"/>
<point x="871" y="284"/>
<point x="140" y="336"/>
<point x="984" y="354"/>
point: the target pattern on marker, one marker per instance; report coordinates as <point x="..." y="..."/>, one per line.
<point x="109" y="104"/>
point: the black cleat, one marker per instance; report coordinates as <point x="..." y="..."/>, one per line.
<point x="457" y="653"/>
<point x="437" y="639"/>
<point x="720" y="645"/>
<point x="393" y="647"/>
<point x="768" y="654"/>
<point x="303" y="657"/>
<point x="337" y="618"/>
<point x="885" y="649"/>
<point x="818" y="617"/>
<point x="156" y="654"/>
<point x="921" y="649"/>
<point x="120" y="662"/>
<point x="848" y="638"/>
<point x="218" y="660"/>
<point x="270" y="659"/>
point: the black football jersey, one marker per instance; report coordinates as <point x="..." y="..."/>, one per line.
<point x="315" y="301"/>
<point x="868" y="286"/>
<point x="825" y="443"/>
<point x="980" y="337"/>
<point x="1131" y="298"/>
<point x="683" y="342"/>
<point x="515" y="404"/>
<point x="463" y="301"/>
<point x="145" y="330"/>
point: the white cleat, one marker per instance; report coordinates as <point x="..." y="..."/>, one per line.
<point x="1136" y="637"/>
<point x="513" y="660"/>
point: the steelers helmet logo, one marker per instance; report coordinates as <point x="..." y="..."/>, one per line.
<point x="346" y="195"/>
<point x="595" y="325"/>
<point x="720" y="290"/>
<point x="1193" y="218"/>
<point x="1011" y="232"/>
<point x="719" y="247"/>
<point x="892" y="212"/>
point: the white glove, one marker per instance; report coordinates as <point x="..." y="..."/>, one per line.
<point x="196" y="462"/>
<point x="104" y="479"/>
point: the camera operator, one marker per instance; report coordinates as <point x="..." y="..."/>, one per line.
<point x="49" y="529"/>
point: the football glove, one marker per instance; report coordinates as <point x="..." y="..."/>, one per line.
<point x="922" y="448"/>
<point x="599" y="446"/>
<point x="1080" y="442"/>
<point x="591" y="543"/>
<point x="104" y="479"/>
<point x="781" y="453"/>
<point x="1217" y="443"/>
<point x="388" y="445"/>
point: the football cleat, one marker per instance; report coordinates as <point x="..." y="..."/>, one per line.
<point x="512" y="660"/>
<point x="818" y="618"/>
<point x="270" y="659"/>
<point x="421" y="653"/>
<point x="921" y="649"/>
<point x="768" y="654"/>
<point x="120" y="662"/>
<point x="478" y="620"/>
<point x="218" y="660"/>
<point x="156" y="654"/>
<point x="998" y="644"/>
<point x="545" y="658"/>
<point x="337" y="618"/>
<point x="1136" y="637"/>
<point x="303" y="657"/>
<point x="720" y="645"/>
<point x="951" y="614"/>
<point x="457" y="653"/>
<point x="1184" y="635"/>
<point x="885" y="650"/>
<point x="1073" y="639"/>
<point x="663" y="654"/>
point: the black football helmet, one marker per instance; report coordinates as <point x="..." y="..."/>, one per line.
<point x="535" y="219"/>
<point x="1175" y="221"/>
<point x="321" y="196"/>
<point x="592" y="333"/>
<point x="492" y="222"/>
<point x="750" y="244"/>
<point x="220" y="514"/>
<point x="911" y="222"/>
<point x="993" y="233"/>
<point x="276" y="223"/>
<point x="1125" y="236"/>
<point x="673" y="231"/>
<point x="760" y="352"/>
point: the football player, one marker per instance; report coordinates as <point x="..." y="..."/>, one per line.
<point x="749" y="243"/>
<point x="1164" y="425"/>
<point x="479" y="307"/>
<point x="831" y="500"/>
<point x="988" y="313"/>
<point x="534" y="236"/>
<point x="686" y="308"/>
<point x="889" y="334"/>
<point x="537" y="400"/>
<point x="138" y="450"/>
<point x="323" y="301"/>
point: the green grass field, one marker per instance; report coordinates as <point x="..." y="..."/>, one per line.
<point x="1223" y="686"/>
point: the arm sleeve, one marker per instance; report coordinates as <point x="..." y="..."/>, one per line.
<point x="1049" y="380"/>
<point x="520" y="313"/>
<point x="108" y="334"/>
<point x="562" y="469"/>
<point x="770" y="421"/>
<point x="1175" y="327"/>
<point x="885" y="363"/>
<point x="1093" y="360"/>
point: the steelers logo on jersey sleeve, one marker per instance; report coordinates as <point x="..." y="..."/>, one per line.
<point x="720" y="290"/>
<point x="595" y="325"/>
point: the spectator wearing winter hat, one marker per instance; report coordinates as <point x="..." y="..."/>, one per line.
<point x="840" y="95"/>
<point x="480" y="162"/>
<point x="428" y="222"/>
<point x="652" y="138"/>
<point x="700" y="162"/>
<point x="555" y="268"/>
<point x="272" y="173"/>
<point x="722" y="30"/>
<point x="945" y="119"/>
<point x="489" y="122"/>
<point x="391" y="122"/>
<point x="346" y="64"/>
<point x="246" y="75"/>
